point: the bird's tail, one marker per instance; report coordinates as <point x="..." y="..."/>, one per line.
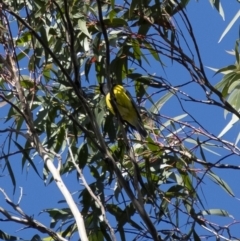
<point x="140" y="128"/>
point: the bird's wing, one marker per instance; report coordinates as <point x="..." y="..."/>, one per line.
<point x="123" y="103"/>
<point x="133" y="103"/>
<point x="137" y="122"/>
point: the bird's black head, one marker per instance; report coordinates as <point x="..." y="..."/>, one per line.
<point x="104" y="88"/>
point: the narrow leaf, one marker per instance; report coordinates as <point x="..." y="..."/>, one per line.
<point x="218" y="212"/>
<point x="8" y="165"/>
<point x="221" y="183"/>
<point x="26" y="156"/>
<point x="235" y="18"/>
<point x="217" y="4"/>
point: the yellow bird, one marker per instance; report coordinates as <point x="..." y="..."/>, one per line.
<point x="125" y="105"/>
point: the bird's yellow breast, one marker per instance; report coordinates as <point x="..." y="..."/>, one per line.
<point x="124" y="105"/>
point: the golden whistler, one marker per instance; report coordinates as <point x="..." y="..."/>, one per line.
<point x="125" y="105"/>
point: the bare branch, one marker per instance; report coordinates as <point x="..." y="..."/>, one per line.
<point x="27" y="220"/>
<point x="96" y="199"/>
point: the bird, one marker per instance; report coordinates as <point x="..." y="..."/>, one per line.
<point x="126" y="107"/>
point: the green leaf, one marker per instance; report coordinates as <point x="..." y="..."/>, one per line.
<point x="235" y="18"/>
<point x="230" y="79"/>
<point x="144" y="28"/>
<point x="234" y="98"/>
<point x="68" y="232"/>
<point x="11" y="173"/>
<point x="204" y="145"/>
<point x="201" y="150"/>
<point x="60" y="139"/>
<point x="94" y="172"/>
<point x="159" y="104"/>
<point x="235" y="84"/>
<point x="140" y="91"/>
<point x="230" y="124"/>
<point x="23" y="54"/>
<point x="44" y="36"/>
<point x="7" y="237"/>
<point x="187" y="183"/>
<point x="163" y="210"/>
<point x="26" y="82"/>
<point x="96" y="235"/>
<point x="221" y="84"/>
<point x="26" y="157"/>
<point x="227" y="68"/>
<point x="36" y="238"/>
<point x="57" y="215"/>
<point x="115" y="23"/>
<point x="109" y="128"/>
<point x="99" y="113"/>
<point x="113" y="3"/>
<point x="195" y="236"/>
<point x="88" y="66"/>
<point x="221" y="183"/>
<point x="134" y="76"/>
<point x="134" y="4"/>
<point x="136" y="50"/>
<point x="152" y="144"/>
<point x="112" y="14"/>
<point x="153" y="52"/>
<point x="25" y="38"/>
<point x="217" y="4"/>
<point x="237" y="52"/>
<point x="46" y="74"/>
<point x="218" y="212"/>
<point x="83" y="155"/>
<point x="169" y="122"/>
<point x="83" y="27"/>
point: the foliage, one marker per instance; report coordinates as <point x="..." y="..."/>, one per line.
<point x="56" y="55"/>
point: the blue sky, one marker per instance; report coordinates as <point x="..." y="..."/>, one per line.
<point x="208" y="27"/>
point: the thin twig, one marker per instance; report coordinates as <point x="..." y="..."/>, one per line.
<point x="90" y="191"/>
<point x="27" y="220"/>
